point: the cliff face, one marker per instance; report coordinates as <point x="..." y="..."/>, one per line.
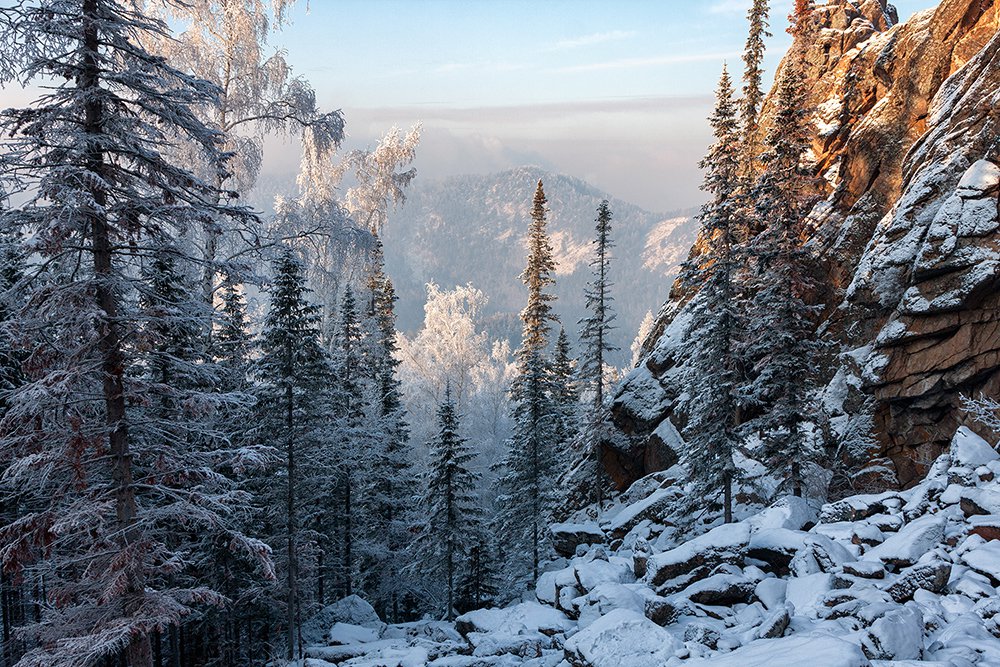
<point x="907" y="236"/>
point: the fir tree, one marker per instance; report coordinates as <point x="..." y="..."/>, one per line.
<point x="478" y="585"/>
<point x="781" y="343"/>
<point x="452" y="503"/>
<point x="293" y="374"/>
<point x="232" y="344"/>
<point x="128" y="496"/>
<point x="595" y="333"/>
<point x="528" y="469"/>
<point x="713" y="404"/>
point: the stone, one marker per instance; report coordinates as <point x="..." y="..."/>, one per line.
<point x="566" y="537"/>
<point x="931" y="577"/>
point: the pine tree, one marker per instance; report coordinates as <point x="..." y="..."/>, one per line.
<point x="528" y="469"/>
<point x="753" y="91"/>
<point x="292" y="375"/>
<point x="595" y="333"/>
<point x="128" y="496"/>
<point x="781" y="343"/>
<point x="711" y="350"/>
<point x="452" y="503"/>
<point x="479" y="582"/>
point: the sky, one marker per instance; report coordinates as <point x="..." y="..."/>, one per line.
<point x="615" y="93"/>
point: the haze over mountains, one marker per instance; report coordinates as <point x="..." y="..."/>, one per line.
<point x="471" y="229"/>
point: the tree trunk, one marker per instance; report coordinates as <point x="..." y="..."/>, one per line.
<point x="292" y="559"/>
<point x="138" y="652"/>
<point x="348" y="530"/>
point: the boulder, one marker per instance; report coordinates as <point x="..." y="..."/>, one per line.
<point x="722" y="544"/>
<point x="623" y="638"/>
<point x="931" y="577"/>
<point x="911" y="542"/>
<point x="566" y="537"/>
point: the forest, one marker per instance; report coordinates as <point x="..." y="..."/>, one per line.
<point x="218" y="449"/>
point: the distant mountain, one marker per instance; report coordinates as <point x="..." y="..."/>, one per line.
<point x="472" y="228"/>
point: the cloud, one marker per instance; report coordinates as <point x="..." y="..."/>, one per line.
<point x="590" y="40"/>
<point x="653" y="61"/>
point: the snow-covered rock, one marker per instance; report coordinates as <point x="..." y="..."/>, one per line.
<point x="623" y="638"/>
<point x="723" y="544"/>
<point x="810" y="650"/>
<point x="566" y="537"/>
<point x="911" y="542"/>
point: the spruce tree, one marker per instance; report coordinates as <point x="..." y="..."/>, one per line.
<point x="595" y="333"/>
<point x="711" y="351"/>
<point x="527" y="477"/>
<point x="781" y="343"/>
<point x="753" y="91"/>
<point x="232" y="344"/>
<point x="293" y="374"/>
<point x="452" y="503"/>
<point x="350" y="407"/>
<point x="565" y="393"/>
<point x="390" y="484"/>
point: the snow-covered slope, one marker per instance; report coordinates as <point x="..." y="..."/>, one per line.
<point x="906" y="237"/>
<point x="471" y="228"/>
<point x="899" y="578"/>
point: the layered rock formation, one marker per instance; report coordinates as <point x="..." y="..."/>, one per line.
<point x="907" y="141"/>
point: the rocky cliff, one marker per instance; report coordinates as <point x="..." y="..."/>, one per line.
<point x="907" y="144"/>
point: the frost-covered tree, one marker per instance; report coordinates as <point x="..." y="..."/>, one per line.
<point x="390" y="483"/>
<point x="232" y="345"/>
<point x="711" y="350"/>
<point x="565" y="392"/>
<point x="479" y="580"/>
<point x="781" y="343"/>
<point x="528" y="470"/>
<point x="226" y="42"/>
<point x="645" y="328"/>
<point x="118" y="483"/>
<point x="453" y="512"/>
<point x="350" y="407"/>
<point x="595" y="332"/>
<point x="293" y="375"/>
<point x="753" y="90"/>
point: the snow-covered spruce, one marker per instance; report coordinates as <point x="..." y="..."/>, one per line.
<point x="902" y="577"/>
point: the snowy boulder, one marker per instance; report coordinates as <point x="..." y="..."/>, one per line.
<point x="807" y="650"/>
<point x="566" y="537"/>
<point x="986" y="526"/>
<point x="594" y="571"/>
<point x="771" y="593"/>
<point x="911" y="542"/>
<point x="979" y="180"/>
<point x="865" y="569"/>
<point x="720" y="590"/>
<point x="623" y="638"/>
<point x="653" y="508"/>
<point x="790" y="512"/>
<point x="856" y="508"/>
<point x="527" y="617"/>
<point x="805" y="593"/>
<point x="899" y="635"/>
<point x="352" y="610"/>
<point x="342" y="634"/>
<point x="931" y="577"/>
<point x="971" y="451"/>
<point x="722" y="544"/>
<point x="979" y="501"/>
<point x="604" y="599"/>
<point x="985" y="559"/>
<point x="776" y="547"/>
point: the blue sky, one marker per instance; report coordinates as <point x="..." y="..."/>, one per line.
<point x="613" y="92"/>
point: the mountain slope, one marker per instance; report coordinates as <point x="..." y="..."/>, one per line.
<point x="471" y="229"/>
<point x="907" y="141"/>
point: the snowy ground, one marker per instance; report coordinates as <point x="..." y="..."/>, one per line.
<point x="900" y="578"/>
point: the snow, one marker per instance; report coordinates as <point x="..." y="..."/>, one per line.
<point x="985" y="558"/>
<point x="980" y="179"/>
<point x="790" y="512"/>
<point x="623" y="638"/>
<point x="347" y="633"/>
<point x="816" y="650"/>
